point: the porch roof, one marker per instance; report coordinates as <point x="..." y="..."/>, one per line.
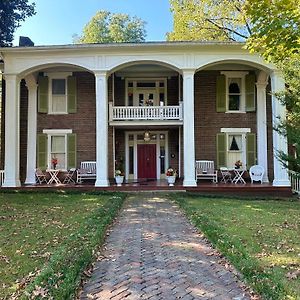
<point x="150" y="44"/>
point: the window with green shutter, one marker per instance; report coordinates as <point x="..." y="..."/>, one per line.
<point x="43" y="88"/>
<point x="71" y="145"/>
<point x="72" y="94"/>
<point x="221" y="93"/>
<point x="251" y="149"/>
<point x="250" y="92"/>
<point x="221" y="150"/>
<point x="42" y="152"/>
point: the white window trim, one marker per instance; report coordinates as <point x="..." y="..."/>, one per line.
<point x="56" y="132"/>
<point x="135" y="88"/>
<point x="57" y="75"/>
<point x="241" y="75"/>
<point x="239" y="131"/>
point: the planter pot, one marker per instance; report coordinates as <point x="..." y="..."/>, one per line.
<point x="119" y="180"/>
<point x="171" y="180"/>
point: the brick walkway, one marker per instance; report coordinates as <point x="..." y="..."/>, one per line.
<point x="154" y="253"/>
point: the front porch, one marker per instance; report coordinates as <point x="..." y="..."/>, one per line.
<point x="147" y="185"/>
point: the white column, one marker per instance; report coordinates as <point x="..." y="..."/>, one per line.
<point x="31" y="129"/>
<point x="261" y="124"/>
<point x="12" y="132"/>
<point x="101" y="129"/>
<point x="279" y="141"/>
<point x="188" y="129"/>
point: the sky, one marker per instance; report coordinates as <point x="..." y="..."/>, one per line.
<point x="56" y="21"/>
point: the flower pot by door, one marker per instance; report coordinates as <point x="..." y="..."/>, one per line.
<point x="171" y="180"/>
<point x="119" y="180"/>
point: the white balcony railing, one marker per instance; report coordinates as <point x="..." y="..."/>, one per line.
<point x="129" y="113"/>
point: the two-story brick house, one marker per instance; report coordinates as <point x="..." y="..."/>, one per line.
<point x="149" y="105"/>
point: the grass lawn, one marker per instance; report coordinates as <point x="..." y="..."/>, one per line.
<point x="52" y="232"/>
<point x="260" y="237"/>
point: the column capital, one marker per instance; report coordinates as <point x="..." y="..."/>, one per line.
<point x="261" y="84"/>
<point x="31" y="82"/>
<point x="101" y="73"/>
<point x="9" y="76"/>
<point x="188" y="71"/>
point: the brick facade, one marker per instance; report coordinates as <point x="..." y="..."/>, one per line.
<point x="207" y="121"/>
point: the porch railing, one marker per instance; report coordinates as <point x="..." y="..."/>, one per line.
<point x="295" y="181"/>
<point x="129" y="113"/>
<point x="1" y="177"/>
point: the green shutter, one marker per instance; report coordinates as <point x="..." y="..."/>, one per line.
<point x="250" y="92"/>
<point x="72" y="94"/>
<point x="251" y="149"/>
<point x="221" y="93"/>
<point x="221" y="150"/>
<point x="42" y="151"/>
<point x="43" y="94"/>
<point x="72" y="151"/>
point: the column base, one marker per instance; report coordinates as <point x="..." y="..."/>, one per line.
<point x="30" y="181"/>
<point x="187" y="182"/>
<point x="265" y="180"/>
<point x="102" y="183"/>
<point x="283" y="182"/>
<point x="11" y="183"/>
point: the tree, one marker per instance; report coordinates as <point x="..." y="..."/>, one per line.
<point x="12" y="13"/>
<point x="276" y="36"/>
<point x="106" y="27"/>
<point x="208" y="20"/>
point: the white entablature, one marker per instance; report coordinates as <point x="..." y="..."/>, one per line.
<point x="177" y="56"/>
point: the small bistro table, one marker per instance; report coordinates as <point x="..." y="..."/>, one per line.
<point x="53" y="176"/>
<point x="238" y="176"/>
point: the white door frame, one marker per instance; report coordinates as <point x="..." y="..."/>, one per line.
<point x="135" y="158"/>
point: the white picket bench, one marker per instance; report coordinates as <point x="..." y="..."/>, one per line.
<point x="205" y="169"/>
<point x="87" y="171"/>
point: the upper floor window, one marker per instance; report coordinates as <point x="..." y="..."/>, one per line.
<point x="57" y="93"/>
<point x="235" y="92"/>
<point x="58" y="98"/>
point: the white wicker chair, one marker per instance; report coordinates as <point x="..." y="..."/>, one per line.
<point x="256" y="173"/>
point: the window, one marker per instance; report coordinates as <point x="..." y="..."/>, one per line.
<point x="235" y="91"/>
<point x="235" y="144"/>
<point x="57" y="147"/>
<point x="59" y="96"/>
<point x="58" y="90"/>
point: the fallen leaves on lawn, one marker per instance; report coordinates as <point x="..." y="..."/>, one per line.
<point x="293" y="274"/>
<point x="4" y="258"/>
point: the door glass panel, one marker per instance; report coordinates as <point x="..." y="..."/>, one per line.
<point x="131" y="159"/>
<point x="162" y="160"/>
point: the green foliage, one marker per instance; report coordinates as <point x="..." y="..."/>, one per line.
<point x="276" y="36"/>
<point x="260" y="238"/>
<point x="209" y="20"/>
<point x="276" y="28"/>
<point x="106" y="27"/>
<point x="12" y="13"/>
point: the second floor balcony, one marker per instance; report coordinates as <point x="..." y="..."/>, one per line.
<point x="146" y="114"/>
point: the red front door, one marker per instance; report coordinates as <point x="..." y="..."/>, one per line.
<point x="146" y="161"/>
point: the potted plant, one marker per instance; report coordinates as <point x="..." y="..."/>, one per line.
<point x="171" y="176"/>
<point x="119" y="173"/>
<point x="119" y="177"/>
